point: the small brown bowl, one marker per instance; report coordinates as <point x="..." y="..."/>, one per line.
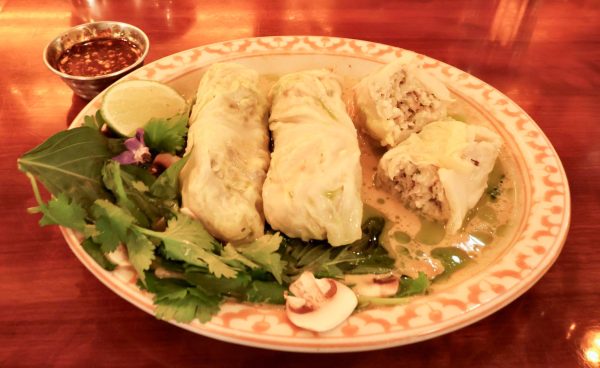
<point x="89" y="87"/>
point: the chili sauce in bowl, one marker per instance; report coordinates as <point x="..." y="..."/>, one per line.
<point x="98" y="57"/>
<point x="90" y="57"/>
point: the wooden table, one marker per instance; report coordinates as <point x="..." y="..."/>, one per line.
<point x="543" y="54"/>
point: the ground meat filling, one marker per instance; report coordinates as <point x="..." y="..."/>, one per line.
<point x="408" y="106"/>
<point x="419" y="188"/>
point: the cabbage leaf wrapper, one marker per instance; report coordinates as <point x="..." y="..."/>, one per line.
<point x="228" y="149"/>
<point x="312" y="190"/>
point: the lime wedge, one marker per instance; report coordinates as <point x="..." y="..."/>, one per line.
<point x="131" y="104"/>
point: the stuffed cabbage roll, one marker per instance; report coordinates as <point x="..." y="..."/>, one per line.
<point x="312" y="190"/>
<point x="398" y="100"/>
<point x="441" y="171"/>
<point x="228" y="148"/>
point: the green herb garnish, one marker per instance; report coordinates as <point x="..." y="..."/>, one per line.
<point x="113" y="204"/>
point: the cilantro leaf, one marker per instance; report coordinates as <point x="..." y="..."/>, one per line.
<point x="163" y="287"/>
<point x="184" y="229"/>
<point x="186" y="240"/>
<point x="141" y="253"/>
<point x="112" y="224"/>
<point x="95" y="252"/>
<point x="197" y="256"/>
<point x="233" y="257"/>
<point x="166" y="185"/>
<point x="166" y="135"/>
<point x="195" y="304"/>
<point x="265" y="292"/>
<point x="94" y="121"/>
<point x="177" y="300"/>
<point x="264" y="252"/>
<point x="208" y="282"/>
<point x="59" y="210"/>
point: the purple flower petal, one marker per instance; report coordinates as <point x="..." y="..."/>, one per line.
<point x="133" y="144"/>
<point x="136" y="152"/>
<point x="125" y="158"/>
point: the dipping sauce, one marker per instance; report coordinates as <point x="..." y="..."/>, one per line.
<point x="98" y="57"/>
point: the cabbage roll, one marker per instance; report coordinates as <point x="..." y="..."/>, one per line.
<point x="441" y="171"/>
<point x="228" y="148"/>
<point x="398" y="100"/>
<point x="312" y="190"/>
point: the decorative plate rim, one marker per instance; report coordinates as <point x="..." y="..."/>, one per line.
<point x="539" y="239"/>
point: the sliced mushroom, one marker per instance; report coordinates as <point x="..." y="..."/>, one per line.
<point x="374" y="285"/>
<point x="319" y="304"/>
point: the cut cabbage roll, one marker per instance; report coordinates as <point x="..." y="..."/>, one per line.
<point x="398" y="100"/>
<point x="441" y="171"/>
<point x="312" y="190"/>
<point x="228" y="145"/>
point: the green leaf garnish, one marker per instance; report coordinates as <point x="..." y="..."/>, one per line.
<point x="265" y="292"/>
<point x="166" y="135"/>
<point x="95" y="251"/>
<point x="186" y="240"/>
<point x="179" y="301"/>
<point x="70" y="163"/>
<point x="140" y="251"/>
<point x="166" y="185"/>
<point x="263" y="251"/>
<point x="59" y="210"/>
<point x="410" y="287"/>
<point x="365" y="255"/>
<point x="94" y="121"/>
<point x="112" y="224"/>
<point x="452" y="258"/>
<point x="111" y="175"/>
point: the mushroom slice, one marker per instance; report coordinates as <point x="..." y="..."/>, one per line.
<point x="319" y="304"/>
<point x="374" y="285"/>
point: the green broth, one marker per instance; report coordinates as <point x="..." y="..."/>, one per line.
<point x="430" y="233"/>
<point x="401" y="237"/>
<point x="481" y="237"/>
<point x="487" y="214"/>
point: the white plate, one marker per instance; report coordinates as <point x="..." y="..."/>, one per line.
<point x="540" y="224"/>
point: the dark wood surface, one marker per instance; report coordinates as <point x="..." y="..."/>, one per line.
<point x="545" y="55"/>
